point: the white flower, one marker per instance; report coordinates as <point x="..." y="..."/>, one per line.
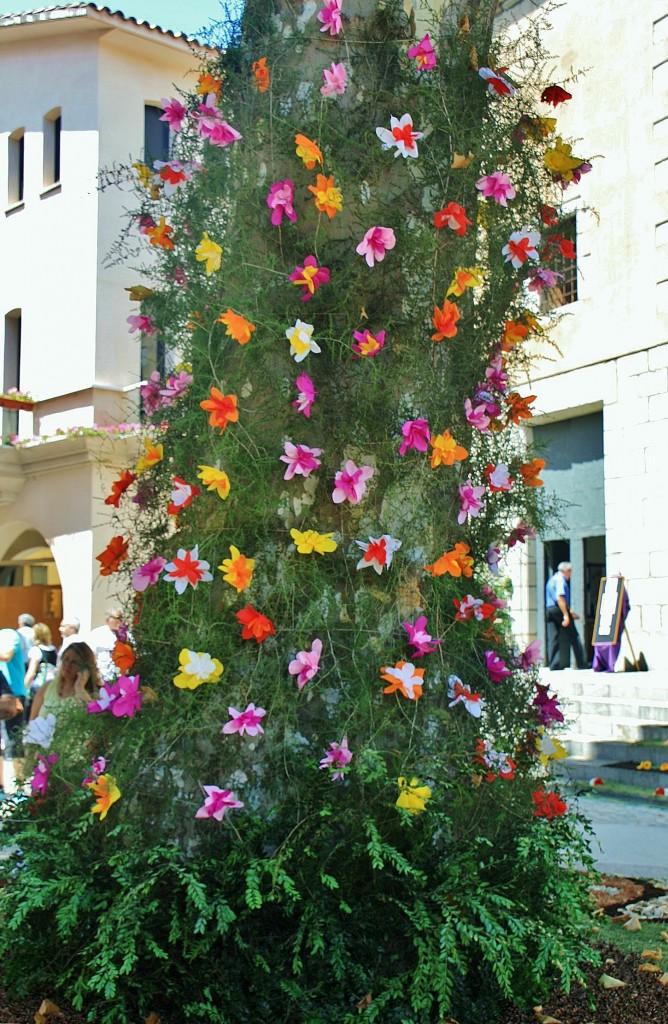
<point x="40" y="731"/>
<point x="400" y="134"/>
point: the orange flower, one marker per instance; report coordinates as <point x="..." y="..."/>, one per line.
<point x="222" y="409"/>
<point x="530" y="472"/>
<point x="159" y="235"/>
<point x="207" y="84"/>
<point x="446" y="450"/>
<point x="261" y="72"/>
<point x="456" y="563"/>
<point x="308" y="151"/>
<point x="106" y="792"/>
<point x="119" y="487"/>
<point x="237" y="326"/>
<point x="513" y="333"/>
<point x="153" y="454"/>
<point x="115" y="552"/>
<point x="237" y="569"/>
<point x="444" y="320"/>
<point x="519" y="407"/>
<point x="123" y="656"/>
<point x="255" y="625"/>
<point x="328" y="198"/>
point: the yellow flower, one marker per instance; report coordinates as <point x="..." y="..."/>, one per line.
<point x="151" y="457"/>
<point x="549" y="748"/>
<point x="106" y="792"/>
<point x="195" y="668"/>
<point x="465" y="277"/>
<point x="446" y="451"/>
<point x="215" y="480"/>
<point x="559" y="160"/>
<point x="310" y="541"/>
<point x="209" y="252"/>
<point x="644" y="766"/>
<point x="237" y="569"/>
<point x="328" y="198"/>
<point x="412" y="796"/>
<point x="308" y="151"/>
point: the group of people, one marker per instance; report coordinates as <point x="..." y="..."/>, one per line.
<point x="42" y="676"/>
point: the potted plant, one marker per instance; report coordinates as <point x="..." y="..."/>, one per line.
<point x="15" y="399"/>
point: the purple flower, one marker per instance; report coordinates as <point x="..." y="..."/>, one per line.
<point x="419" y="638"/>
<point x="543" y="277"/>
<point x="416" y="435"/>
<point x="530" y="656"/>
<point x="547" y="708"/>
<point x="150" y="394"/>
<point x="148" y="574"/>
<point x="497" y="670"/>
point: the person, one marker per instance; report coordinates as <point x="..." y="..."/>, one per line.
<point x="25" y="631"/>
<point x="102" y="641"/>
<point x="69" y="631"/>
<point x="560" y="620"/>
<point x="42" y="659"/>
<point x="12" y="674"/>
<point x="76" y="680"/>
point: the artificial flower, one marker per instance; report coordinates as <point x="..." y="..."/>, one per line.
<point x="143" y="323"/>
<point x="212" y="126"/>
<point x="412" y="796"/>
<point x="309" y="277"/>
<point x="400" y="134"/>
<point x="519" y="534"/>
<point x="498" y="477"/>
<point x="280" y="201"/>
<point x="147" y="574"/>
<point x="209" y="253"/>
<point x="207" y="84"/>
<point x="150" y="393"/>
<point x="446" y="451"/>
<point x="403" y="677"/>
<point x="492" y="597"/>
<point x="245" y="722"/>
<point x="555" y="95"/>
<point x="337" y="759"/>
<point x="530" y="656"/>
<point x="158" y="235"/>
<point x="659" y="791"/>
<point x="119" y="487"/>
<point x="123" y="656"/>
<point x="530" y="472"/>
<point x="498" y="765"/>
<point x="564" y="246"/>
<point x="378" y="552"/>
<point x="123" y="698"/>
<point x="476" y="416"/>
<point x="237" y="569"/>
<point x="497" y="670"/>
<point x="350" y="483"/>
<point x="562" y="165"/>
<point x="496" y="83"/>
<point x="456" y="563"/>
<point x="41" y="772"/>
<point x="460" y="161"/>
<point x="217" y="803"/>
<point x="470" y="500"/>
<point x="445" y="320"/>
<point x="174" y="114"/>
<point x="336" y="80"/>
<point x="549" y="748"/>
<point x="306" y="664"/>
<point x="261" y="74"/>
<point x="548" y="805"/>
<point x="423" y="54"/>
<point x="195" y="668"/>
<point x="534" y="128"/>
<point x="308" y="151"/>
<point x="305" y="394"/>
<point x="187" y="569"/>
<point x="549" y="215"/>
<point x="367" y="344"/>
<point x="222" y="409"/>
<point x="461" y="694"/>
<point x="237" y="326"/>
<point x="182" y="496"/>
<point x="375" y="244"/>
<point x="106" y="793"/>
<point x="255" y="626"/>
<point x="176" y="386"/>
<point x="415" y="435"/>
<point x="519" y="408"/>
<point x="215" y="480"/>
<point x="327" y="197"/>
<point x="546" y="706"/>
<point x="644" y="766"/>
<point x="39" y="731"/>
<point x="471" y="607"/>
<point x="465" y="277"/>
<point x="522" y="246"/>
<point x="301" y="340"/>
<point x="452" y="216"/>
<point x="513" y="333"/>
<point x="173" y="174"/>
<point x="419" y="638"/>
<point x="113" y="555"/>
<point x="542" y="277"/>
<point x="146" y="179"/>
<point x="493" y="556"/>
<point x="310" y="541"/>
<point x="496" y="186"/>
<point x="300" y="459"/>
<point x="330" y="17"/>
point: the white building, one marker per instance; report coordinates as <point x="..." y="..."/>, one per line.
<point x="81" y="90"/>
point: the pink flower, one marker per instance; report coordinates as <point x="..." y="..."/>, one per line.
<point x="212" y="126"/>
<point x="493" y="557"/>
<point x="143" y="323"/>
<point x="367" y="345"/>
<point x="416" y="435"/>
<point x="305" y="394"/>
<point x="519" y="534"/>
<point x="305" y="664"/>
<point x="309" y="277"/>
<point x="461" y="694"/>
<point x="419" y="638"/>
<point x="378" y="552"/>
<point x="337" y="759"/>
<point x="477" y="417"/>
<point x="280" y="201"/>
<point x="496" y="83"/>
<point x="147" y="574"/>
<point x="423" y="54"/>
<point x="217" y="802"/>
<point x="123" y="698"/>
<point x="495" y="375"/>
<point x="350" y="483"/>
<point x="543" y="277"/>
<point x="300" y="459"/>
<point x="175" y="387"/>
<point x="498" y="477"/>
<point x="530" y="656"/>
<point x="400" y="134"/>
<point x="497" y="670"/>
<point x="546" y="707"/>
<point x="375" y="244"/>
<point x="40" y="779"/>
<point x="330" y="17"/>
<point x="522" y="246"/>
<point x="496" y="186"/>
<point x="492" y="597"/>
<point x="336" y="80"/>
<point x="247" y="721"/>
<point x="174" y="114"/>
<point x="150" y="394"/>
<point x="470" y="498"/>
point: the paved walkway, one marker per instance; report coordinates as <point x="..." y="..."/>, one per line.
<point x="632" y="837"/>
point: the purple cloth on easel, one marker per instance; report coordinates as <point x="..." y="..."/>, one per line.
<point x="605" y="657"/>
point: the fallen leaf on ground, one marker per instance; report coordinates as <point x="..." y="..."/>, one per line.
<point x="663" y="980"/>
<point x="650" y="968"/>
<point x="651" y="954"/>
<point x="607" y="981"/>
<point x="459" y="161"/>
<point x="633" y="924"/>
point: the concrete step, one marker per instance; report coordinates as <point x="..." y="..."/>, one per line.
<point x="615" y="750"/>
<point x="656" y="733"/>
<point x="584" y="770"/>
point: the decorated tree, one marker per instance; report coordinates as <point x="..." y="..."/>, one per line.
<point x="320" y="783"/>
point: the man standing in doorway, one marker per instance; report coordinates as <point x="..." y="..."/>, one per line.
<point x="559" y="617"/>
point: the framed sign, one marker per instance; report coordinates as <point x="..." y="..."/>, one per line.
<point x="608" y="621"/>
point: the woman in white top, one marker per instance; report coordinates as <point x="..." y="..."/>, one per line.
<point x="76" y="679"/>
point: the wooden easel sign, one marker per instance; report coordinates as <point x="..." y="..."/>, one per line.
<point x="608" y="611"/>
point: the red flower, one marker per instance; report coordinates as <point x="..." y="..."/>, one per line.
<point x="115" y="552"/>
<point x="555" y="95"/>
<point x="119" y="487"/>
<point x="255" y="625"/>
<point x="548" y="805"/>
<point x="123" y="656"/>
<point x="222" y="409"/>
<point x="452" y="216"/>
<point x="564" y="245"/>
<point x="549" y="216"/>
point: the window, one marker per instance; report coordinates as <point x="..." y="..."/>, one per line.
<point x="558" y="243"/>
<point x="156" y="135"/>
<point x="52" y="131"/>
<point x="11" y="368"/>
<point x="16" y="167"/>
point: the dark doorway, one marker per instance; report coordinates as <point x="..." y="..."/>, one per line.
<point x="557" y="551"/>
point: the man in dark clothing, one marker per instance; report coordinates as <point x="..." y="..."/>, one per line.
<point x="560" y="618"/>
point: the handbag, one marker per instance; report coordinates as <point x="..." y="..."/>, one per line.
<point x="10" y="706"/>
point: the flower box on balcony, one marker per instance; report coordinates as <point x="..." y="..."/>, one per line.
<point x="8" y="402"/>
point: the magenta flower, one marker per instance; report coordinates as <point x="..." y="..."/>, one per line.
<point x="496" y="186"/>
<point x="546" y="707"/>
<point x="212" y="126"/>
<point x="148" y="574"/>
<point x="309" y="277"/>
<point x="471" y="502"/>
<point x="350" y="483"/>
<point x="176" y="387"/>
<point x="306" y="664"/>
<point x="375" y="244"/>
<point x="123" y="698"/>
<point x="419" y="638"/>
<point x="477" y="416"/>
<point x="143" y="323"/>
<point x="98" y="766"/>
<point x="519" y="534"/>
<point x="330" y="17"/>
<point x="174" y="114"/>
<point x="40" y="779"/>
<point x="543" y="277"/>
<point x="416" y="435"/>
<point x="336" y="80"/>
<point x="492" y="597"/>
<point x="531" y="655"/>
<point x="337" y="759"/>
<point x="243" y="722"/>
<point x="495" y="375"/>
<point x="300" y="459"/>
<point x="497" y="670"/>
<point x="305" y="394"/>
<point x="493" y="557"/>
<point x="150" y="394"/>
<point x="217" y="803"/>
<point x="423" y="54"/>
<point x="498" y="477"/>
<point x="367" y="345"/>
<point x="280" y="201"/>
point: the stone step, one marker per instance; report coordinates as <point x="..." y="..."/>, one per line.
<point x="584" y="770"/>
<point x="615" y="750"/>
<point x="656" y="711"/>
<point x="607" y="727"/>
<point x="657" y="733"/>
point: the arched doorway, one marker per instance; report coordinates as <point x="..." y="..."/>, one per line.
<point x="29" y="582"/>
